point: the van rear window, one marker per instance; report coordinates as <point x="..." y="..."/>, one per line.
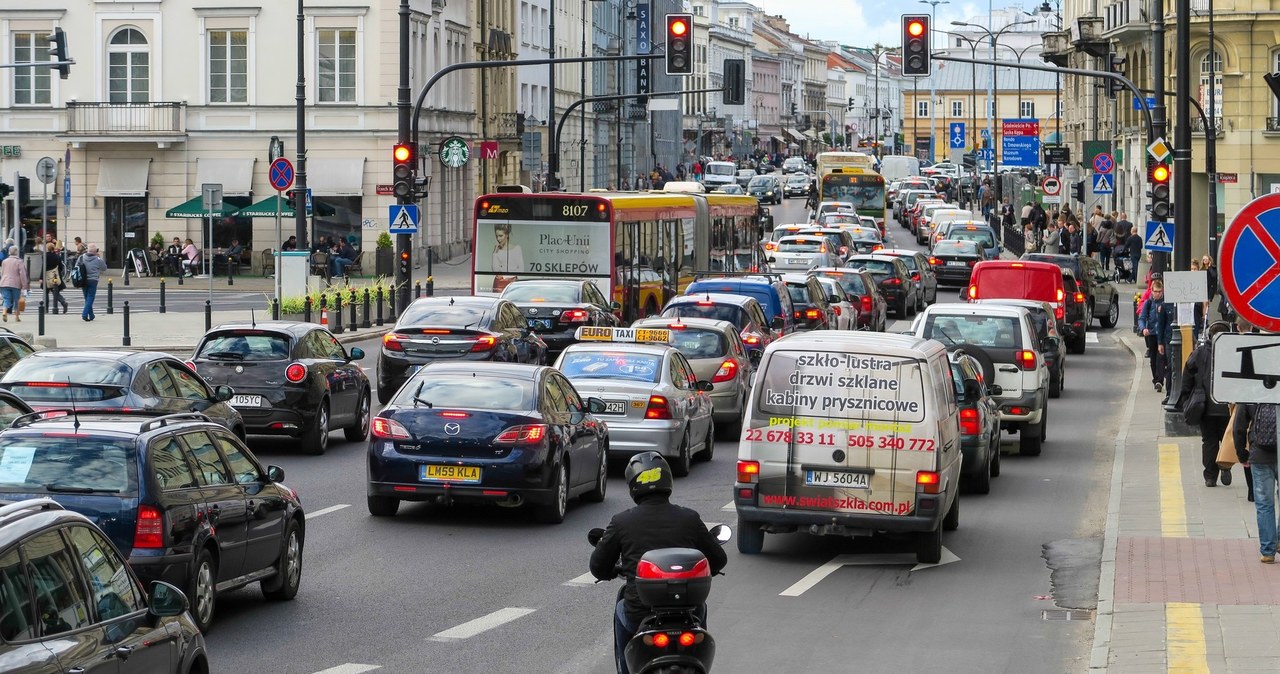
<point x="1016" y="283"/>
<point x="992" y="332"/>
<point x="847" y="386"/>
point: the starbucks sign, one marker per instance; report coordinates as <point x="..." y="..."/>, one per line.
<point x="454" y="152"/>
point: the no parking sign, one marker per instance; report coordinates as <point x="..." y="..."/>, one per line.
<point x="1249" y="257"/>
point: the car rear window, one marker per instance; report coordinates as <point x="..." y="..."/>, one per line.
<point x="996" y="332"/>
<point x="981" y="237"/>
<point x="951" y="247"/>
<point x="876" y="267"/>
<point x="805" y="246"/>
<point x="245" y="345"/>
<point x="761" y="181"/>
<point x="799" y="293"/>
<point x="716" y="312"/>
<point x="611" y="365"/>
<point x="538" y="292"/>
<point x="852" y="283"/>
<point x="909" y="260"/>
<point x="863" y="234"/>
<point x="468" y="392"/>
<point x="67" y="463"/>
<point x="450" y="315"/>
<point x="696" y="343"/>
<point x="61" y="379"/>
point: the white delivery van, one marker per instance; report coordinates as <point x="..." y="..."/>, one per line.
<point x="850" y="434"/>
<point x="899" y="167"/>
<point x="717" y="173"/>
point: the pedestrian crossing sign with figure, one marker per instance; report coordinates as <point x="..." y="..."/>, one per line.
<point x="1159" y="236"/>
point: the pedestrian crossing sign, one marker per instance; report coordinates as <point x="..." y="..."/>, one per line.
<point x="1159" y="236"/>
<point x="403" y="219"/>
<point x="1103" y="183"/>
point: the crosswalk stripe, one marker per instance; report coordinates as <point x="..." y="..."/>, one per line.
<point x="349" y="668"/>
<point x="326" y="511"/>
<point x="482" y="624"/>
<point x="585" y="580"/>
<point x="728" y="507"/>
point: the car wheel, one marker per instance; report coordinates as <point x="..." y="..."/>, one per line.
<point x="284" y="585"/>
<point x="750" y="537"/>
<point x="1030" y="437"/>
<point x="315" y="439"/>
<point x="596" y="495"/>
<point x="203" y="591"/>
<point x="553" y="512"/>
<point x="680" y="466"/>
<point x="980" y="482"/>
<point x="1077" y="345"/>
<point x="920" y="305"/>
<point x="383" y="506"/>
<point x="1055" y="384"/>
<point x="995" y="456"/>
<point x="902" y="308"/>
<point x="708" y="445"/>
<point x="929" y="546"/>
<point x="1113" y="314"/>
<point x="359" y="431"/>
<point x="951" y="521"/>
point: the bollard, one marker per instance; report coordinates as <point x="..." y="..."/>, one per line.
<point x="365" y="323"/>
<point x="208" y="316"/>
<point x="417" y="290"/>
<point x="230" y="279"/>
<point x="162" y="295"/>
<point x="275" y="309"/>
<point x="40" y="320"/>
<point x="110" y="298"/>
<point x="126" y="275"/>
<point x="128" y="341"/>
<point x="351" y="327"/>
<point x="379" y="303"/>
<point x="431" y="286"/>
<point x="306" y="309"/>
<point x="324" y="313"/>
<point x="180" y="275"/>
<point x="336" y="325"/>
<point x="1137" y="297"/>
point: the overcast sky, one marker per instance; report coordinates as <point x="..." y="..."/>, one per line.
<point x="862" y="23"/>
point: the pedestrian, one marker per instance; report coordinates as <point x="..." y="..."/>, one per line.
<point x="94" y="267"/>
<point x="1134" y="246"/>
<point x="55" y="280"/>
<point x="1255" y="438"/>
<point x="1155" y="322"/>
<point x="1197" y="311"/>
<point x="290" y="244"/>
<point x="1106" y="242"/>
<point x="14" y="283"/>
<point x="1052" y="239"/>
<point x="1214" y="416"/>
<point x="1073" y="241"/>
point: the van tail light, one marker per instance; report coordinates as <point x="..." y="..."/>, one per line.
<point x="388" y="429"/>
<point x="658" y="408"/>
<point x="928" y="482"/>
<point x="1058" y="312"/>
<point x="526" y="434"/>
<point x="484" y="343"/>
<point x="575" y="316"/>
<point x="748" y="472"/>
<point x="295" y="373"/>
<point x="867" y="305"/>
<point x="1061" y="295"/>
<point x="391" y="342"/>
<point x="149" y="531"/>
<point x="969" y="421"/>
<point x="812" y="314"/>
<point x="1026" y="359"/>
<point x="1079" y="298"/>
<point x="728" y="370"/>
<point x="973" y="292"/>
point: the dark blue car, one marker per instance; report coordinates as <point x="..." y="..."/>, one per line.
<point x="767" y="289"/>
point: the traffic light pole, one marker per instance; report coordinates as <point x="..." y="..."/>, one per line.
<point x="405" y="241"/>
<point x="300" y="172"/>
<point x="1182" y="138"/>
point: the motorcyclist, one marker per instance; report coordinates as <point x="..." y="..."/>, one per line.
<point x="653" y="523"/>
<point x="811" y="202"/>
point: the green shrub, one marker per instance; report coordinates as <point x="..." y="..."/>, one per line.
<point x="342" y="293"/>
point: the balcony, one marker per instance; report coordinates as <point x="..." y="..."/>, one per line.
<point x="1087" y="36"/>
<point x="1197" y="125"/>
<point x="1057" y="47"/>
<point x="1126" y="20"/>
<point x="160" y="123"/>
<point x="1273" y="124"/>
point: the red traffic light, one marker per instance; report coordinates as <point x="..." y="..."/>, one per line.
<point x="1160" y="173"/>
<point x="679" y="27"/>
<point x="915" y="28"/>
<point x="401" y="152"/>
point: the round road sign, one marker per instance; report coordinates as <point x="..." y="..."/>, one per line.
<point x="1249" y="258"/>
<point x="1051" y="185"/>
<point x="281" y="174"/>
<point x="1103" y="163"/>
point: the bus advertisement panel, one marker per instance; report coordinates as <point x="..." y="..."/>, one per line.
<point x="545" y="238"/>
<point x="865" y="190"/>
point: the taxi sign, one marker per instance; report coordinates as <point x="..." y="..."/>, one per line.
<point x="638" y="335"/>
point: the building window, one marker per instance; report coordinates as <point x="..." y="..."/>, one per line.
<point x="991" y="111"/>
<point x="31" y="86"/>
<point x="228" y="66"/>
<point x="957" y="108"/>
<point x="922" y="108"/>
<point x="128" y="67"/>
<point x="733" y="22"/>
<point x="1027" y="109"/>
<point x="337" y="63"/>
<point x="1211" y="70"/>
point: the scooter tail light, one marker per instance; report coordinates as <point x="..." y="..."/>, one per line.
<point x="660" y="640"/>
<point x="688" y="639"/>
<point x="647" y="570"/>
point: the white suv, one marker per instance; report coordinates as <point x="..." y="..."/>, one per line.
<point x="1003" y="339"/>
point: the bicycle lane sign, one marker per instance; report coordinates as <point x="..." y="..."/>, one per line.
<point x="1249" y="257"/>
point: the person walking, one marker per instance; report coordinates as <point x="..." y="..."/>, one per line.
<point x="14" y="283"/>
<point x="1255" y="437"/>
<point x="1213" y="421"/>
<point x="94" y="267"/>
<point x="1134" y="245"/>
<point x="1155" y="322"/>
<point x="1052" y="239"/>
<point x="55" y="280"/>
<point x="1106" y="242"/>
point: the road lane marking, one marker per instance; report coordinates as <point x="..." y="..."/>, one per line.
<point x="349" y="668"/>
<point x="326" y="511"/>
<point x="1091" y="337"/>
<point x="814" y="577"/>
<point x="482" y="624"/>
<point x="585" y="580"/>
<point x="1185" y="650"/>
<point x="1173" y="503"/>
<point x="728" y="508"/>
<point x="888" y="559"/>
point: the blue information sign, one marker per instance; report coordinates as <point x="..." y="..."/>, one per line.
<point x="957" y="135"/>
<point x="1020" y="151"/>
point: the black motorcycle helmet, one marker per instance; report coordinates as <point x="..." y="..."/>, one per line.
<point x="648" y="473"/>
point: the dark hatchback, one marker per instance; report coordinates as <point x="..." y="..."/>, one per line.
<point x="979" y="418"/>
<point x="555" y="309"/>
<point x="68" y="602"/>
<point x="455" y="328"/>
<point x="184" y="500"/>
<point x="812" y="310"/>
<point x="921" y="272"/>
<point x="499" y="433"/>
<point x="872" y="309"/>
<point x="953" y="260"/>
<point x="290" y="378"/>
<point x="893" y="278"/>
<point x="145" y="382"/>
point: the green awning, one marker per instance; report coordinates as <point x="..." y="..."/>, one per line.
<point x="267" y="209"/>
<point x="193" y="208"/>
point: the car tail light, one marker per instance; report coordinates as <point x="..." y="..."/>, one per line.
<point x="658" y="408"/>
<point x="915" y="276"/>
<point x="770" y="245"/>
<point x="1058" y="312"/>
<point x="844" y="250"/>
<point x="527" y="434"/>
<point x="973" y="292"/>
<point x="892" y="281"/>
<point x="296" y="372"/>
<point x="451" y="414"/>
<point x="575" y="316"/>
<point x="867" y="304"/>
<point x="812" y="314"/>
<point x="837" y="310"/>
<point x="969" y="421"/>
<point x="751" y="340"/>
<point x="149" y="531"/>
<point x="972" y="262"/>
<point x="748" y="471"/>
<point x="934" y="261"/>
<point x="728" y="370"/>
<point x="675" y="326"/>
<point x="391" y="342"/>
<point x="1061" y="295"/>
<point x="388" y="429"/>
<point x="928" y="482"/>
<point x="1026" y="359"/>
<point x="1079" y="298"/>
<point x="484" y="343"/>
<point x="876" y="247"/>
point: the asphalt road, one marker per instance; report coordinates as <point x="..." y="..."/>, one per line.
<point x="489" y="590"/>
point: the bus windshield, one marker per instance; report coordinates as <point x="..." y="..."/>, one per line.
<point x="864" y="191"/>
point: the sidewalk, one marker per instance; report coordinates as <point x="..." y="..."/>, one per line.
<point x="1181" y="589"/>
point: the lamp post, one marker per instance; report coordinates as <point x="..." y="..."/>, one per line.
<point x="1045" y="11"/>
<point x="973" y="97"/>
<point x="876" y="51"/>
<point x="1019" y="55"/>
<point x="933" y="83"/>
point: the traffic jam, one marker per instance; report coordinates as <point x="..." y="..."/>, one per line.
<point x="868" y="387"/>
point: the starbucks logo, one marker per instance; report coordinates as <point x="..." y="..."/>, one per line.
<point x="454" y="152"/>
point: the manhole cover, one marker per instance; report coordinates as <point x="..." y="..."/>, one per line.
<point x="1065" y="614"/>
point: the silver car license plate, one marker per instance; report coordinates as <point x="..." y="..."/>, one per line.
<point x="836" y="478"/>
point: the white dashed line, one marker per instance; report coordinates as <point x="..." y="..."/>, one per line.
<point x="585" y="580"/>
<point x="813" y="578"/>
<point x="482" y="624"/>
<point x="349" y="668"/>
<point x="728" y="507"/>
<point x="326" y="511"/>
<point x="1091" y="337"/>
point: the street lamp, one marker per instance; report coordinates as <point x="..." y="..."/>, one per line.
<point x="1019" y="55"/>
<point x="933" y="83"/>
<point x="876" y="52"/>
<point x="973" y="95"/>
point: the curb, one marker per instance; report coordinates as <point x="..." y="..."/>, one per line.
<point x="344" y="338"/>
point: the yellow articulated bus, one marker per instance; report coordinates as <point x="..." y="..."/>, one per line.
<point x="831" y="162"/>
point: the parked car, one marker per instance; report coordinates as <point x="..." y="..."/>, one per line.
<point x="863" y="292"/>
<point x="554" y="309"/>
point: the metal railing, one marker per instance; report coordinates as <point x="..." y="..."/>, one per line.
<point x="1197" y="125"/>
<point x="101" y="118"/>
<point x="1273" y="124"/>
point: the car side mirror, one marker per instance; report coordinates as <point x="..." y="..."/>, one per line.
<point x="596" y="406"/>
<point x="1049" y="343"/>
<point x="995" y="389"/>
<point x="615" y="306"/>
<point x="722" y="533"/>
<point x="594" y="536"/>
<point x="754" y="357"/>
<point x="834" y="299"/>
<point x="223" y="393"/>
<point x="357" y="353"/>
<point x="778" y="323"/>
<point x="166" y="601"/>
<point x="703" y="385"/>
<point x="275" y="473"/>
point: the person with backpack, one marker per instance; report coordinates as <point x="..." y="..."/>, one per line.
<point x="55" y="278"/>
<point x="90" y="268"/>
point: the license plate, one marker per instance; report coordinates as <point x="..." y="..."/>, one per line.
<point x="615" y="407"/>
<point x="246" y="401"/>
<point x="449" y="473"/>
<point x="540" y="323"/>
<point x="834" y="478"/>
<point x="956" y="263"/>
<point x="796" y="260"/>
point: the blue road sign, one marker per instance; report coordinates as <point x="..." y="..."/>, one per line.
<point x="957" y="135"/>
<point x="1103" y="163"/>
<point x="403" y="218"/>
<point x="986" y="134"/>
<point x="1159" y="236"/>
<point x="1149" y="103"/>
<point x="1020" y="151"/>
<point x="986" y="153"/>
<point x="281" y="174"/>
<point x="1103" y="183"/>
<point x="1250" y="269"/>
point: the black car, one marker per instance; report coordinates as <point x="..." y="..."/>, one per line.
<point x="69" y="603"/>
<point x="145" y="382"/>
<point x="183" y="499"/>
<point x="894" y="279"/>
<point x="921" y="272"/>
<point x="12" y="349"/>
<point x="766" y="189"/>
<point x="812" y="310"/>
<point x="290" y="378"/>
<point x="979" y="417"/>
<point x="455" y="328"/>
<point x="953" y="260"/>
<point x="498" y="433"/>
<point x="1101" y="297"/>
<point x="862" y="288"/>
<point x="555" y="309"/>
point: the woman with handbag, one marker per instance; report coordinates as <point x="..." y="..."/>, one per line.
<point x="1200" y="409"/>
<point x="55" y="272"/>
<point x="13" y="283"/>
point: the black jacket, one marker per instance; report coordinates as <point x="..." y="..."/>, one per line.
<point x="1260" y="451"/>
<point x="654" y="523"/>
<point x="1195" y="375"/>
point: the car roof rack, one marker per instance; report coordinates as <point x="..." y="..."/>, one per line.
<point x="698" y="275"/>
<point x="29" y="506"/>
<point x="160" y="422"/>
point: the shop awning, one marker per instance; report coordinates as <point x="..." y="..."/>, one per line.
<point x="193" y="208"/>
<point x="122" y="177"/>
<point x="267" y="209"/>
<point x="336" y="176"/>
<point x="810" y="135"/>
<point x="777" y="139"/>
<point x="235" y="175"/>
<point x="793" y="135"/>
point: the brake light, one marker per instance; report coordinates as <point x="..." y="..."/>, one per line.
<point x="751" y="340"/>
<point x="1058" y="312"/>
<point x="523" y="434"/>
<point x="748" y="471"/>
<point x="728" y="370"/>
<point x="929" y="482"/>
<point x="687" y="639"/>
<point x="434" y="331"/>
<point x="972" y="263"/>
<point x="1060" y="294"/>
<point x="658" y="408"/>
<point x="973" y="292"/>
<point x="811" y="314"/>
<point x="388" y="429"/>
<point x="296" y="372"/>
<point x="770" y="245"/>
<point x="969" y="421"/>
<point x="484" y="343"/>
<point x="661" y="640"/>
<point x="391" y="342"/>
<point x="575" y="316"/>
<point x="1079" y="298"/>
<point x="705" y="303"/>
<point x="45" y="384"/>
<point x="1026" y="359"/>
<point x="892" y="281"/>
<point x="647" y="570"/>
<point x="837" y="308"/>
<point x="867" y="305"/>
<point x="149" y="531"/>
<point x="876" y="247"/>
<point x="454" y="415"/>
<point x="934" y="260"/>
<point x="844" y="250"/>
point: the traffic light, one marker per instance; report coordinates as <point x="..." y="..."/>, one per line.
<point x="58" y="52"/>
<point x="402" y="273"/>
<point x="679" y="49"/>
<point x="402" y="171"/>
<point x="1115" y="64"/>
<point x="915" y="45"/>
<point x="24" y="190"/>
<point x="5" y="191"/>
<point x="1159" y="177"/>
<point x="735" y="82"/>
<point x="289" y="201"/>
<point x="1077" y="190"/>
<point x="793" y="109"/>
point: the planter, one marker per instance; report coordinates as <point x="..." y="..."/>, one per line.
<point x="384" y="261"/>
